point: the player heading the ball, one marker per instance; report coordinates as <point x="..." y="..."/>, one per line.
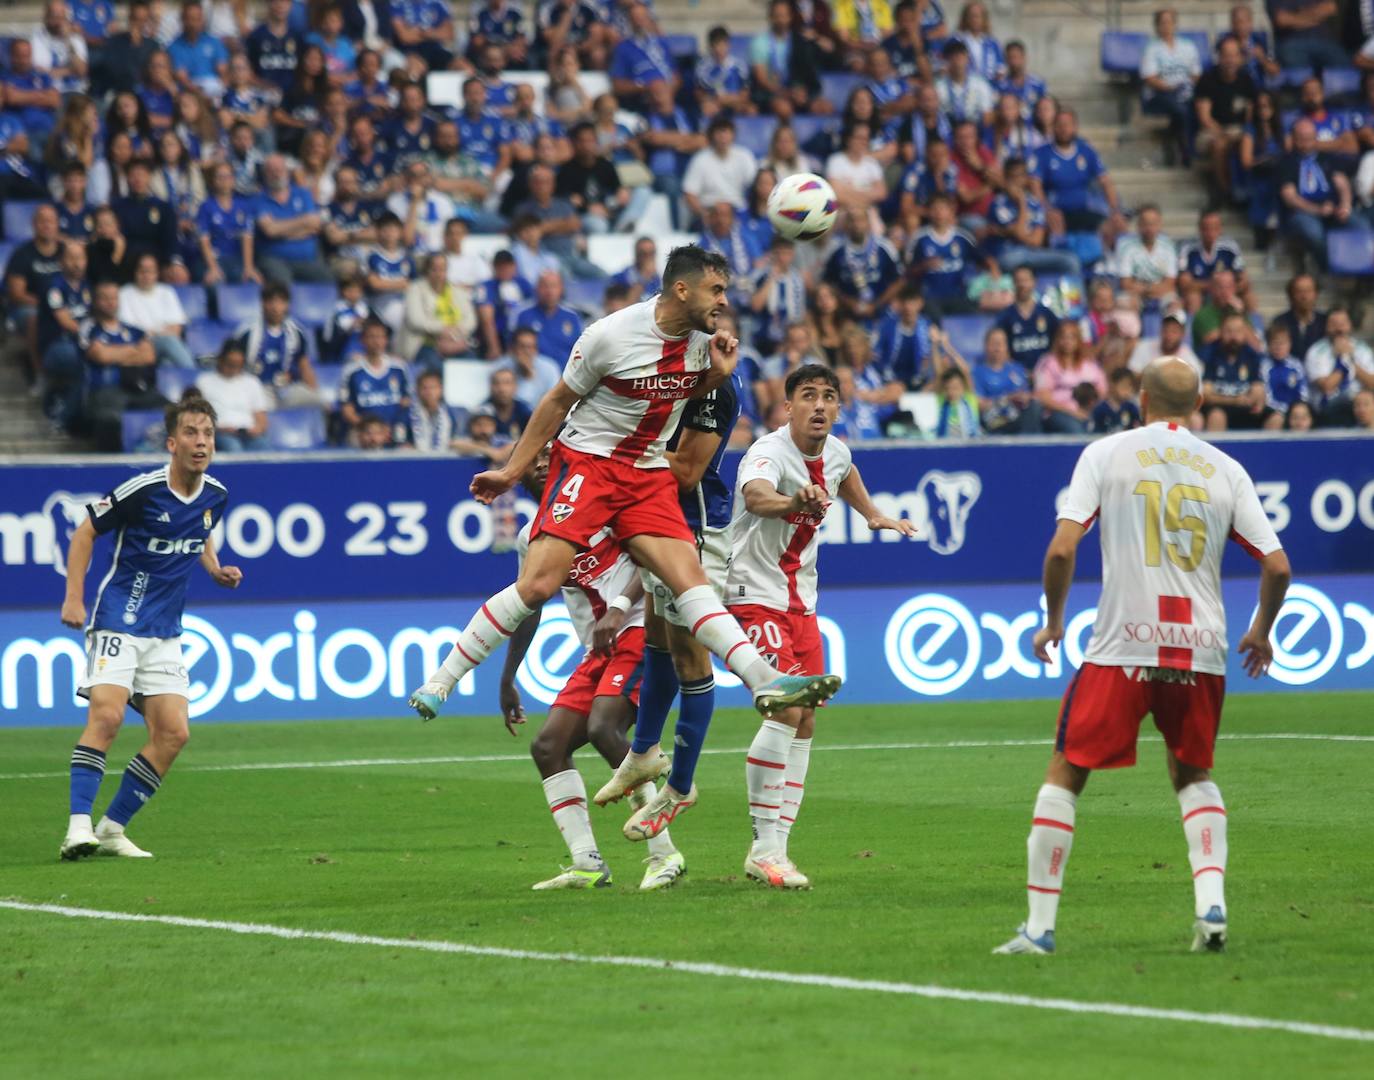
<point x="620" y="397"/>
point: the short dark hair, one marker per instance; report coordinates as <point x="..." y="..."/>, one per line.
<point x="614" y="292"/>
<point x="717" y="33"/>
<point x="372" y="321"/>
<point x="689" y="262"/>
<point x="72" y="167"/>
<point x="1013" y="162"/>
<point x="910" y="290"/>
<point x="579" y="128"/>
<point x="1122" y="374"/>
<point x="389" y="219"/>
<point x="275" y="290"/>
<point x="429" y="373"/>
<point x="190" y="403"/>
<point x="524" y="331"/>
<point x="953" y="372"/>
<point x="953" y="47"/>
<point x="720" y="123"/>
<point x="502" y="258"/>
<point x="811" y="373"/>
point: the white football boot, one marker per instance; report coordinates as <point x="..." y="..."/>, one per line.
<point x="114" y="842"/>
<point x="81" y="839"/>
<point x="775" y="871"/>
<point x="634" y="770"/>
<point x="663" y="871"/>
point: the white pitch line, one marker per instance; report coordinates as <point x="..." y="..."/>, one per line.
<point x="477" y="759"/>
<point x="724" y="971"/>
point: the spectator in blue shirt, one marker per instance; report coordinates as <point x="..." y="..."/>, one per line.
<point x="864" y="270"/>
<point x="904" y="46"/>
<point x="943" y="256"/>
<point x="904" y="342"/>
<point x="1020" y="83"/>
<point x="376" y="384"/>
<point x="1305" y="34"/>
<point x="1066" y="170"/>
<point x="1018" y="227"/>
<point x="482" y="133"/>
<point x="65" y="302"/>
<point x="535" y="373"/>
<point x="1006" y="398"/>
<point x="29" y="95"/>
<point x="198" y="59"/>
<point x="876" y="388"/>
<point x="641" y="58"/>
<point x="721" y="79"/>
<point x="92" y="18"/>
<point x="425" y="29"/>
<point x="1118" y="410"/>
<point x="511" y="414"/>
<point x="499" y="22"/>
<point x="1314" y="195"/>
<point x="1028" y="324"/>
<point x="784" y="64"/>
<point x="1285" y="377"/>
<point x="120" y="368"/>
<point x="497" y="302"/>
<point x="340" y="56"/>
<point x="288" y="224"/>
<point x="670" y="141"/>
<point x="224" y="228"/>
<point x="273" y="48"/>
<point x="1233" y="389"/>
<point x="558" y="326"/>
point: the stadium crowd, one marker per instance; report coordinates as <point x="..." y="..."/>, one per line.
<point x="306" y="211"/>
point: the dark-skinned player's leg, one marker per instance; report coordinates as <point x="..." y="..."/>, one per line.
<point x="552" y="749"/>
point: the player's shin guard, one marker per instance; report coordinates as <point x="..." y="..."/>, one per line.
<point x="718" y="631"/>
<point x="493" y="623"/>
<point x="693" y="721"/>
<point x="794" y="781"/>
<point x="764" y="771"/>
<point x="656" y="693"/>
<point x="1047" y="853"/>
<point x="87" y="770"/>
<point x="568" y="803"/>
<point x="139" y="784"/>
<point x="1204" y="824"/>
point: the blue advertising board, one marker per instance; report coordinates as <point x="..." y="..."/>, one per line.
<point x="347" y="527"/>
<point x="902" y="645"/>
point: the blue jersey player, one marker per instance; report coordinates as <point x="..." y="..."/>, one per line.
<point x="674" y="662"/>
<point x="160" y="522"/>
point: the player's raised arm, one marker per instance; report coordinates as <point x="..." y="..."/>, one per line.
<point x="548" y="417"/>
<point x="723" y="349"/>
<point x="1058" y="576"/>
<point x="78" y="562"/>
<point x="853" y="492"/>
<point x="763" y="500"/>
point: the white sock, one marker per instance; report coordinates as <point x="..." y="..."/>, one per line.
<point x="794" y="779"/>
<point x="764" y="774"/>
<point x="493" y="622"/>
<point x="718" y="630"/>
<point x="83" y="820"/>
<point x="1047" y="853"/>
<point x="1204" y="824"/>
<point x="568" y="802"/>
<point x="660" y="844"/>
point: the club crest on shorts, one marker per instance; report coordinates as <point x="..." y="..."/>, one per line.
<point x="561" y="512"/>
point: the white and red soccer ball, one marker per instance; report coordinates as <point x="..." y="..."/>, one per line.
<point x="802" y="207"/>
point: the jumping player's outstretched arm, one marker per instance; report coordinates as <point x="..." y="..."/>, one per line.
<point x="78" y="562"/>
<point x="762" y="499"/>
<point x="1059" y="563"/>
<point x="1255" y="649"/>
<point x="853" y="492"/>
<point x="548" y="416"/>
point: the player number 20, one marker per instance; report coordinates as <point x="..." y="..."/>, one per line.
<point x="768" y="632"/>
<point x="1186" y="556"/>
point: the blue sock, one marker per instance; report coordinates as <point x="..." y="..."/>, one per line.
<point x="88" y="769"/>
<point x="140" y="784"/>
<point x="693" y="720"/>
<point x="656" y="694"/>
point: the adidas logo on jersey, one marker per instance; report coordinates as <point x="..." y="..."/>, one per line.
<point x="165" y="517"/>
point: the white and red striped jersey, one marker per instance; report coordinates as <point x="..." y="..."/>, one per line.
<point x="773" y="560"/>
<point x="598" y="575"/>
<point x="633" y="381"/>
<point x="1166" y="503"/>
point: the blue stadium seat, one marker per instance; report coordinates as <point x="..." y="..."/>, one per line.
<point x="330" y="377"/>
<point x="586" y="295"/>
<point x="754" y="133"/>
<point x="312" y="305"/>
<point x="296" y="429"/>
<point x="683" y="47"/>
<point x="237" y="303"/>
<point x="1294" y="77"/>
<point x="808" y="127"/>
<point x="143" y="429"/>
<point x="1350" y="252"/>
<point x="1340" y="84"/>
<point x="6" y="250"/>
<point x="173" y="381"/>
<point x="19" y="220"/>
<point x="205" y="337"/>
<point x="1122" y="51"/>
<point x="193" y="301"/>
<point x="739" y="47"/>
<point x="837" y="86"/>
<point x="1150" y="322"/>
<point x="966" y="333"/>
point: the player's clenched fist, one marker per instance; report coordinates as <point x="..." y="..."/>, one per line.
<point x="486" y="486"/>
<point x="74" y="614"/>
<point x="724" y="349"/>
<point x="810" y="499"/>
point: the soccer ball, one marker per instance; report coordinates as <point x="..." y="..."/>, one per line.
<point x="802" y="207"/>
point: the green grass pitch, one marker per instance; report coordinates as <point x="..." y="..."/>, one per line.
<point x="917" y="855"/>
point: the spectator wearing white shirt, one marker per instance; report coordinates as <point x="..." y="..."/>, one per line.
<point x="465" y="270"/>
<point x="59" y="49"/>
<point x="1169" y="69"/>
<point x="424" y="212"/>
<point x="156" y="309"/>
<point x="854" y="173"/>
<point x="1148" y="261"/>
<point x="963" y="93"/>
<point x="240" y="400"/>
<point x="535" y="375"/>
<point x="1338" y="367"/>
<point x="721" y="172"/>
<point x="1172" y="341"/>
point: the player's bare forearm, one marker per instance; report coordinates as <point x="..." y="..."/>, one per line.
<point x="855" y="493"/>
<point x="1275" y="575"/>
<point x="79" y="559"/>
<point x="1060" y="558"/>
<point x="763" y="500"/>
<point x="512" y="709"/>
<point x="695" y="449"/>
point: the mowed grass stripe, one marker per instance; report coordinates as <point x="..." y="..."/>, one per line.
<point x="725" y="971"/>
<point x="480" y="759"/>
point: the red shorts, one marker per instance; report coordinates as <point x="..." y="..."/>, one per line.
<point x="1099" y="720"/>
<point x="606" y="676"/>
<point x="586" y="493"/>
<point x="788" y="640"/>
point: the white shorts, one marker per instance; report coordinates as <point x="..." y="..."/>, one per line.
<point x="713" y="548"/>
<point x="141" y="665"/>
